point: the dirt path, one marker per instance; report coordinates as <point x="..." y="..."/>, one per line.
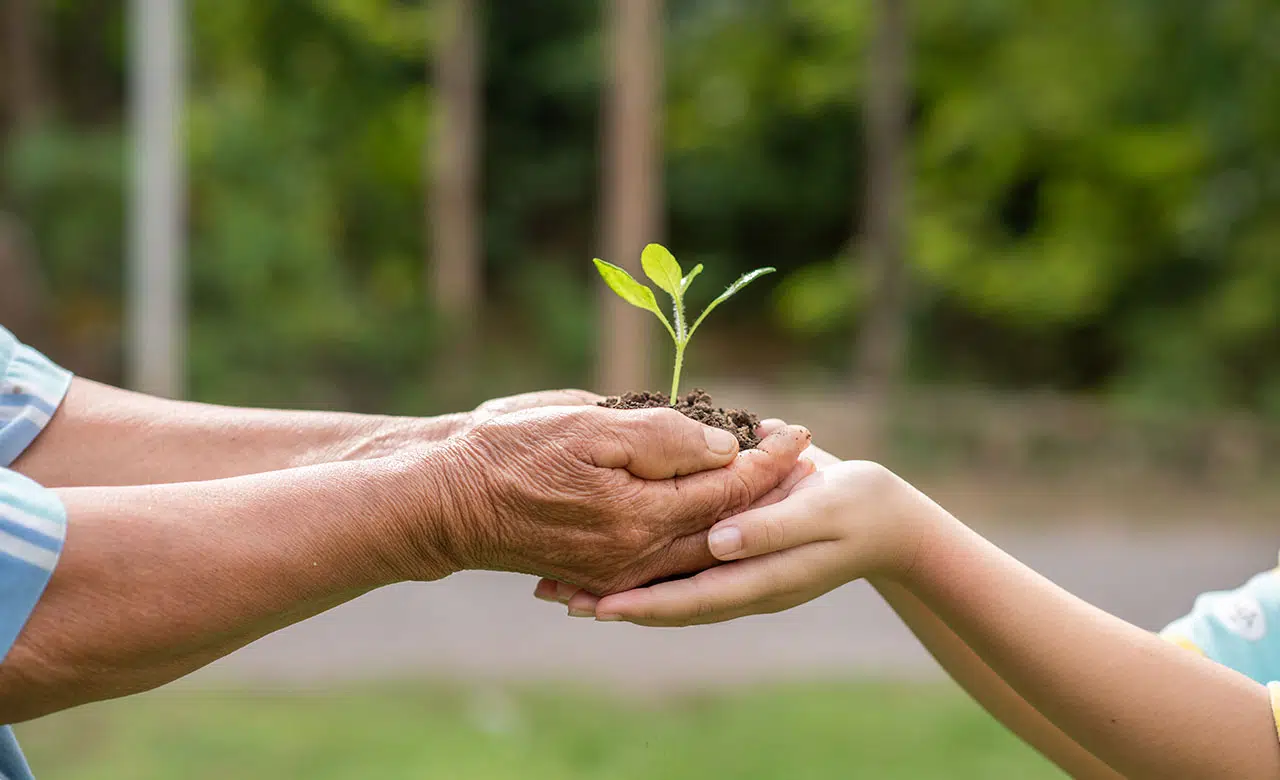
<point x="484" y="626"/>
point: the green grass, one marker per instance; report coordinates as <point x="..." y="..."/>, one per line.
<point x="876" y="731"/>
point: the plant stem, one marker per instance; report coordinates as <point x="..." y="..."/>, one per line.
<point x="675" y="380"/>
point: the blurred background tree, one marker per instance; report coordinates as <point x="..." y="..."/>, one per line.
<point x="1036" y="243"/>
<point x="632" y="181"/>
<point x="455" y="263"/>
<point x="1093" y="208"/>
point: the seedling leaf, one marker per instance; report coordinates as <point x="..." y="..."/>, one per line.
<point x="662" y="268"/>
<point x="631" y="291"/>
<point x="733" y="290"/>
<point x="688" y="280"/>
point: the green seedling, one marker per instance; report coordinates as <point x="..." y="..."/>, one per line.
<point x="662" y="268"/>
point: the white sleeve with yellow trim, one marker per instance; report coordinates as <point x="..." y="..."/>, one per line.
<point x="1273" y="688"/>
<point x="1239" y="629"/>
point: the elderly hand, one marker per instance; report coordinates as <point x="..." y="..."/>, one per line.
<point x="535" y="400"/>
<point x="582" y="602"/>
<point x="601" y="498"/>
<point x="825" y="526"/>
<point x="845" y="522"/>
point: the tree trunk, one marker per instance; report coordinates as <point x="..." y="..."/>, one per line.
<point x="632" y="184"/>
<point x="881" y="346"/>
<point x="21" y="294"/>
<point x="24" y="100"/>
<point x="21" y="66"/>
<point x="156" y="325"/>
<point x="456" y="263"/>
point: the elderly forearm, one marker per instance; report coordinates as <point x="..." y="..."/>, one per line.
<point x="157" y="581"/>
<point x="1145" y="707"/>
<point x="986" y="687"/>
<point x="102" y="435"/>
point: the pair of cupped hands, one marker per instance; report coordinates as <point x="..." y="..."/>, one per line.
<point x="616" y="509"/>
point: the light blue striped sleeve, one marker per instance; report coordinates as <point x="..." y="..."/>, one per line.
<point x="31" y="387"/>
<point x="33" y="522"/>
<point x="33" y="526"/>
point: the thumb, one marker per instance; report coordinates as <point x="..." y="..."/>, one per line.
<point x="663" y="443"/>
<point x="789" y="523"/>
<point x="700" y="499"/>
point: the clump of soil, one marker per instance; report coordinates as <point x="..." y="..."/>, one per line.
<point x="695" y="404"/>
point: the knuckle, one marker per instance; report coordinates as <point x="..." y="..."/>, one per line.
<point x="630" y="425"/>
<point x="873" y="478"/>
<point x="667" y="423"/>
<point x="772" y="534"/>
<point x="668" y="417"/>
<point x="737" y="494"/>
<point x="628" y="446"/>
<point x="871" y="471"/>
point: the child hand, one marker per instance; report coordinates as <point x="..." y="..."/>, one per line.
<point x="847" y="521"/>
<point x="584" y="605"/>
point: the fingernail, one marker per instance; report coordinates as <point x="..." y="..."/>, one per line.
<point x="564" y="592"/>
<point x="720" y="441"/>
<point x="575" y="612"/>
<point x="545" y="597"/>
<point x="725" y="541"/>
<point x="608" y="618"/>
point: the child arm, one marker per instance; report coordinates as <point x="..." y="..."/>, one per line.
<point x="1143" y="705"/>
<point x="995" y="696"/>
<point x="976" y="678"/>
<point x="1138" y="703"/>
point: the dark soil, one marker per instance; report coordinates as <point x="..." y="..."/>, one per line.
<point x="697" y="405"/>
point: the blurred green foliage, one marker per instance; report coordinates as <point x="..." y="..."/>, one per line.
<point x="1096" y="191"/>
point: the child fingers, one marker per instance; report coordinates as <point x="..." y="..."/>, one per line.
<point x="786" y="524"/>
<point x="697" y="500"/>
<point x="820" y="457"/>
<point x="580" y="602"/>
<point x="703" y="598"/>
<point x="583" y="604"/>
<point x="750" y="587"/>
<point x="768" y="427"/>
<point x="803" y="468"/>
<point x="554" y="591"/>
<point x="546" y="590"/>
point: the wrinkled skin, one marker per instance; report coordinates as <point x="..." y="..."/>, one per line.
<point x="582" y="602"/>
<point x="604" y="499"/>
<point x="535" y="400"/>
